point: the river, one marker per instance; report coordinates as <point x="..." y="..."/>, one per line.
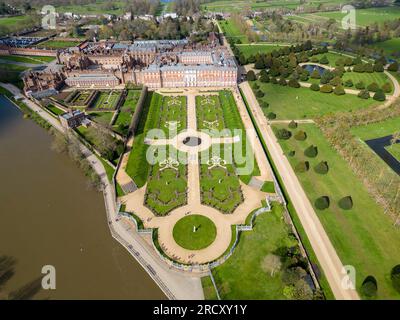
<point x="49" y="216"/>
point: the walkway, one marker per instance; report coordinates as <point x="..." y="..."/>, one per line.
<point x="323" y="248"/>
<point x="176" y="285"/>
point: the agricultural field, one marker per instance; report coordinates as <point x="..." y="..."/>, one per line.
<point x="291" y="103"/>
<point x="259" y="264"/>
<point x="57" y="44"/>
<point x="361" y="233"/>
<point x="364" y="17"/>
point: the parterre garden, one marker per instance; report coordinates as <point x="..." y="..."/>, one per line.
<point x="219" y="182"/>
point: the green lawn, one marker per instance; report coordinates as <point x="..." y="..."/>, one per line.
<point x="232" y="31"/>
<point x="253" y="49"/>
<point x="25" y="59"/>
<point x="103" y="118"/>
<point x="394" y="150"/>
<point x="53" y="109"/>
<point x="364" y="17"/>
<point x="13" y="67"/>
<point x="97" y="7"/>
<point x="240" y="5"/>
<point x="244" y="275"/>
<point x="389" y="47"/>
<point x="110" y="173"/>
<point x="291" y="103"/>
<point x="363" y="236"/>
<point x="377" y="130"/>
<point x="194" y="232"/>
<point x="58" y="44"/>
<point x="126" y="111"/>
<point x="379" y="77"/>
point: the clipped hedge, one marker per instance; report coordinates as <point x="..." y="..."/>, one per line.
<point x="283" y="134"/>
<point x="369" y="287"/>
<point x="300" y="135"/>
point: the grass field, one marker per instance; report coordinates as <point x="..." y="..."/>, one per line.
<point x="240" y="5"/>
<point x="21" y="59"/>
<point x="53" y="109"/>
<point x="194" y="232"/>
<point x="363" y="236"/>
<point x="394" y="150"/>
<point x="364" y="17"/>
<point x="230" y="30"/>
<point x="290" y="103"/>
<point x="243" y="275"/>
<point x="57" y="44"/>
<point x="253" y="49"/>
<point x="377" y="130"/>
<point x="97" y="7"/>
<point x="12" y="21"/>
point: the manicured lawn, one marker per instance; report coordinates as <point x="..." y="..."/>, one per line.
<point x="126" y="111"/>
<point x="379" y="77"/>
<point x="20" y="59"/>
<point x="253" y="49"/>
<point x="377" y="130"/>
<point x="291" y="103"/>
<point x="240" y="5"/>
<point x="96" y="7"/>
<point x="53" y="109"/>
<point x="58" y="44"/>
<point x="13" y="67"/>
<point x="243" y="275"/>
<point x="173" y="115"/>
<point x="390" y="47"/>
<point x="194" y="232"/>
<point x="394" y="149"/>
<point x="363" y="236"/>
<point x="103" y="118"/>
<point x="12" y="21"/>
<point x="208" y="288"/>
<point x="232" y="31"/>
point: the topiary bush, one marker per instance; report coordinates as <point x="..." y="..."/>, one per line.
<point x="314" y="87"/>
<point x="339" y="90"/>
<point x="387" y="88"/>
<point x="369" y="287"/>
<point x="360" y="85"/>
<point x="322" y="167"/>
<point x="271" y="116"/>
<point x="264" y="104"/>
<point x="373" y="87"/>
<point x="273" y="80"/>
<point x="394" y="66"/>
<point x="302" y="166"/>
<point x="251" y="76"/>
<point x="291" y="153"/>
<point x="322" y="203"/>
<point x="292" y="124"/>
<point x="326" y="88"/>
<point x="293" y="83"/>
<point x="283" y="134"/>
<point x="300" y="135"/>
<point x="395" y="277"/>
<point x="315" y="74"/>
<point x="363" y="94"/>
<point x="346" y="203"/>
<point x="311" y="151"/>
<point x="379" y="95"/>
<point x="259" y="94"/>
<point x="335" y="81"/>
<point x="324" y="60"/>
<point x="349" y="83"/>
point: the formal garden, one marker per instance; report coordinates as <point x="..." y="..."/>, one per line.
<point x="173" y="115"/>
<point x="361" y="233"/>
<point x="105" y="100"/>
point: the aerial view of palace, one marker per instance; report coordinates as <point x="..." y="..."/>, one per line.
<point x="200" y="149"/>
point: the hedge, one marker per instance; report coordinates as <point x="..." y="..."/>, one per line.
<point x="302" y="166"/>
<point x="326" y="88"/>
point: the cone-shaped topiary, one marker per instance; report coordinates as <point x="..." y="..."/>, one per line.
<point x="300" y="135"/>
<point x="339" y="90"/>
<point x="271" y="116"/>
<point x="251" y="76"/>
<point x="294" y="83"/>
<point x="379" y="95"/>
<point x="291" y="153"/>
<point x="322" y="167"/>
<point x="259" y="94"/>
<point x="364" y="94"/>
<point x="373" y="87"/>
<point x="322" y="203"/>
<point x="302" y="166"/>
<point x="315" y="87"/>
<point x="346" y="203"/>
<point x="292" y="124"/>
<point x="326" y="88"/>
<point x="283" y="134"/>
<point x="369" y="287"/>
<point x="311" y="151"/>
<point x="360" y="85"/>
<point x="395" y="277"/>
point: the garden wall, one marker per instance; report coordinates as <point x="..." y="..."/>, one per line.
<point x="138" y="111"/>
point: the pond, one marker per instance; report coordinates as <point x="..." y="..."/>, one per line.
<point x="311" y="67"/>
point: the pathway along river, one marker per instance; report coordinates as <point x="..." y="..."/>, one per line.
<point x="48" y="215"/>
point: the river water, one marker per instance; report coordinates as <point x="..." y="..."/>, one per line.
<point x="49" y="216"/>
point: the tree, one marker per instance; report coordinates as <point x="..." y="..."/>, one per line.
<point x="326" y="88"/>
<point x="364" y="94"/>
<point x="394" y="66"/>
<point x="315" y="87"/>
<point x="264" y="104"/>
<point x="283" y="134"/>
<point x="369" y="287"/>
<point x="322" y="203"/>
<point x="324" y="60"/>
<point x="315" y="74"/>
<point x="322" y="167"/>
<point x="282" y="81"/>
<point x="349" y="83"/>
<point x="379" y="95"/>
<point x="251" y="76"/>
<point x="378" y="67"/>
<point x="300" y="135"/>
<point x="294" y="83"/>
<point x="264" y="78"/>
<point x="311" y="151"/>
<point x="271" y="116"/>
<point x="395" y="138"/>
<point x="336" y="81"/>
<point x="292" y="124"/>
<point x="346" y="203"/>
<point x="302" y="166"/>
<point x="387" y="88"/>
<point x="259" y="94"/>
<point x="360" y="85"/>
<point x="373" y="87"/>
<point x="395" y="277"/>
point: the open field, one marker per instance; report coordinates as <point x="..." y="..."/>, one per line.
<point x="194" y="232"/>
<point x="389" y="47"/>
<point x="98" y="7"/>
<point x="57" y="44"/>
<point x="291" y="103"/>
<point x="364" y="17"/>
<point x="240" y="5"/>
<point x="253" y="49"/>
<point x="230" y="30"/>
<point x="363" y="236"/>
<point x="246" y="275"/>
<point x="377" y="130"/>
<point x="394" y="150"/>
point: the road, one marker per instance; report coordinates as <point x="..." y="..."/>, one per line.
<point x="175" y="284"/>
<point x="322" y="246"/>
